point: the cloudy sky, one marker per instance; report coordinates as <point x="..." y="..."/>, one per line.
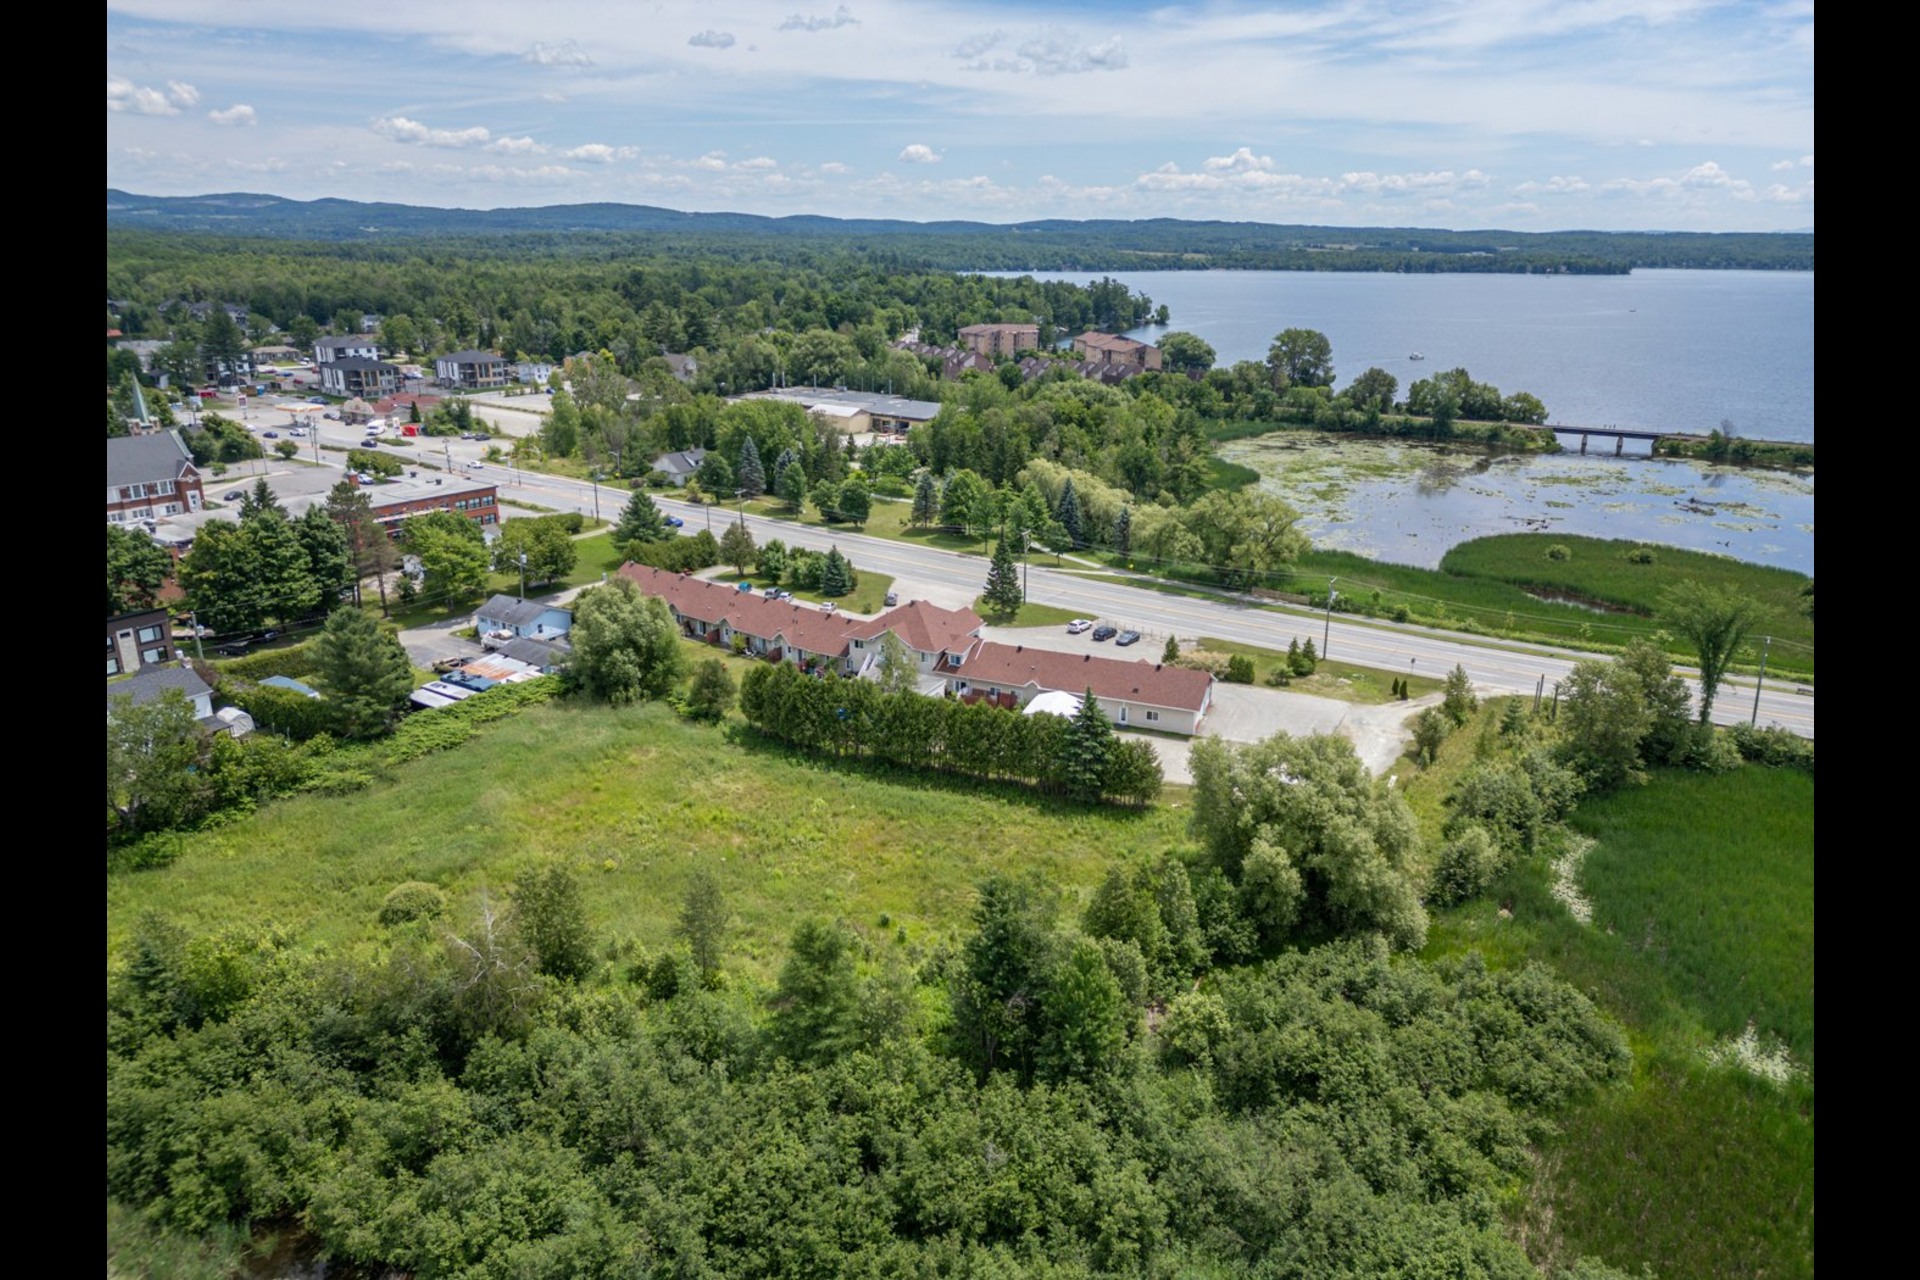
<point x="1612" y="114"/>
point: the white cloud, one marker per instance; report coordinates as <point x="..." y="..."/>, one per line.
<point x="1779" y="194"/>
<point x="124" y="95"/>
<point x="567" y="53"/>
<point x="920" y="153"/>
<point x="238" y="113"/>
<point x="712" y="162"/>
<point x="1050" y="53"/>
<point x="1257" y="175"/>
<point x="842" y="17"/>
<point x="1781" y="166"/>
<point x="834" y="166"/>
<point x="505" y="173"/>
<point x="516" y="146"/>
<point x="600" y="153"/>
<point x="1707" y="177"/>
<point x="711" y="40"/>
<point x="401" y="129"/>
<point x="1239" y="162"/>
<point x="759" y="162"/>
<point x="1557" y="185"/>
<point x="182" y="95"/>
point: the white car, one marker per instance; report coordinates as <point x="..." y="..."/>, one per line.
<point x="1078" y="625"/>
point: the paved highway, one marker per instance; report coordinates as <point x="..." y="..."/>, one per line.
<point x="952" y="578"/>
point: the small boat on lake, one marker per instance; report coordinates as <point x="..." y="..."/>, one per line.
<point x="1416" y="356"/>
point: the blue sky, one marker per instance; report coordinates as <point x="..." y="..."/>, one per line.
<point x="1609" y="114"/>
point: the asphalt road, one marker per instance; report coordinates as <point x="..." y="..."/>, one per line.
<point x="953" y="580"/>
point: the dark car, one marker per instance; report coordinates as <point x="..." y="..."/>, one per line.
<point x="234" y="650"/>
<point x="1105" y="632"/>
<point x="1128" y="637"/>
<point x="674" y="522"/>
<point x="317" y="400"/>
<point x="271" y="435"/>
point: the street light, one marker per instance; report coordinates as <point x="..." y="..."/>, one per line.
<point x="1326" y="632"/>
<point x="523" y="577"/>
<point x="1755" y="721"/>
<point x="595" y="476"/>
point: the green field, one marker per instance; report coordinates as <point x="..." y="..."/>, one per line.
<point x="1340" y="680"/>
<point x="1696" y="1170"/>
<point x="656" y="797"/>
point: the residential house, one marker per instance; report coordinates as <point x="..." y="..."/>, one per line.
<point x="995" y="340"/>
<point x="680" y="467"/>
<point x="934" y="636"/>
<point x="370" y="321"/>
<point x="1138" y="694"/>
<point x="505" y="617"/>
<point x="1112" y="349"/>
<point x="136" y="640"/>
<point x="366" y="379"/>
<point x="683" y="367"/>
<point x="150" y="477"/>
<point x="355" y="347"/>
<point x="534" y="371"/>
<point x="543" y="656"/>
<point x="471" y="370"/>
<point x="150" y="683"/>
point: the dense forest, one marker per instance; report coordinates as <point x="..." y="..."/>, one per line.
<point x="1047" y="245"/>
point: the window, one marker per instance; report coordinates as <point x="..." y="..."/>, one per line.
<point x="156" y="654"/>
<point x="149" y="634"/>
<point x="113" y="665"/>
<point x="1153" y="715"/>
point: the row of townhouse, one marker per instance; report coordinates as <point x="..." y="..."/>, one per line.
<point x="947" y="649"/>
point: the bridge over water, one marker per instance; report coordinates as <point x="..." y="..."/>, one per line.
<point x="1620" y="436"/>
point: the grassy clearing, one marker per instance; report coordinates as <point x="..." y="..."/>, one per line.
<point x="1222" y="474"/>
<point x="1598" y="570"/>
<point x="1028" y="615"/>
<point x="1330" y="680"/>
<point x="655" y="797"/>
<point x="1699" y="1171"/>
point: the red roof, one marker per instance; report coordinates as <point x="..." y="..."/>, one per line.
<point x="1153" y="683"/>
<point x="925" y="627"/>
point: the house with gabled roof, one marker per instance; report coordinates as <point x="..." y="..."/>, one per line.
<point x="150" y="477"/>
<point x="1112" y="349"/>
<point x="1134" y="695"/>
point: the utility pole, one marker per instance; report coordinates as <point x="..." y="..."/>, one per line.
<point x="523" y="577"/>
<point x="1326" y="632"/>
<point x="1755" y="721"/>
<point x="199" y="650"/>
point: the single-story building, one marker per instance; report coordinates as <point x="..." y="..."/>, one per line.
<point x="1137" y="695"/>
<point x="503" y="617"/>
<point x="543" y="656"/>
<point x="153" y="682"/>
<point x="855" y="412"/>
<point x="397" y="499"/>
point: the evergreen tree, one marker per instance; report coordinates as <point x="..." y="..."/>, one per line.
<point x="1003" y="593"/>
<point x="817" y="1015"/>
<point x="836" y="578"/>
<point x="1088" y="747"/>
<point x="367" y="674"/>
<point x="1123" y="532"/>
<point x="780" y="464"/>
<point x="260" y="500"/>
<point x="711" y="695"/>
<point x="793" y="487"/>
<point x="1172" y="652"/>
<point x="753" y="478"/>
<point x="926" y="500"/>
<point x="1458" y="701"/>
<point x="640" y="521"/>
<point x="1067" y="513"/>
<point x="703" y="923"/>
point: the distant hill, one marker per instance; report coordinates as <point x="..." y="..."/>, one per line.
<point x="1049" y="244"/>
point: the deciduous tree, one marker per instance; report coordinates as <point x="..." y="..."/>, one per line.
<point x="625" y="644"/>
<point x="1717" y="621"/>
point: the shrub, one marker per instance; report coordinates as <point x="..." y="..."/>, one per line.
<point x="1279" y="677"/>
<point x="1468" y="864"/>
<point x="1240" y="669"/>
<point x="1400" y="613"/>
<point x="1773" y="746"/>
<point x="1640" y="555"/>
<point x="1559" y="551"/>
<point x="1214" y="664"/>
<point x="414" y="900"/>
<point x="1430" y="730"/>
<point x="297" y="661"/>
<point x="281" y="711"/>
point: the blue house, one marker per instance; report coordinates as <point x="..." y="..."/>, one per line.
<point x="504" y="618"/>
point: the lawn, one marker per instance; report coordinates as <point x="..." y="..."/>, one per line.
<point x="1340" y="680"/>
<point x="637" y="800"/>
<point x="1028" y="615"/>
<point x="1697" y="1170"/>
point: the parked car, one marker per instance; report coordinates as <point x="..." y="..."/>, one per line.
<point x="779" y="593"/>
<point x="331" y="414"/>
<point x="893" y="598"/>
<point x="445" y="665"/>
<point x="743" y="586"/>
<point x="316" y="400"/>
<point x="674" y="522"/>
<point x="1078" y="625"/>
<point x="1105" y="632"/>
<point x="1128" y="637"/>
<point x="829" y="607"/>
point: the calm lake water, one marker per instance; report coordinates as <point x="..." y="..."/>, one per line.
<point x="1408" y="503"/>
<point x="1672" y="350"/>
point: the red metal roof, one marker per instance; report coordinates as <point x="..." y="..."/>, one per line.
<point x="1114" y="679"/>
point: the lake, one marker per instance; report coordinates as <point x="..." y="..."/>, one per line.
<point x="1672" y="350"/>
<point x="1408" y="502"/>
